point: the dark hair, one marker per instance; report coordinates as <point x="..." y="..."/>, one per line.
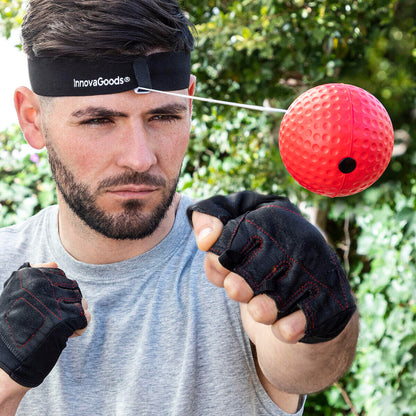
<point x="88" y="29"/>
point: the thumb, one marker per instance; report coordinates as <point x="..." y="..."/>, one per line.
<point x="51" y="265"/>
<point x="207" y="229"/>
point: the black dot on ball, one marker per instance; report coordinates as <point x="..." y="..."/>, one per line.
<point x="347" y="165"/>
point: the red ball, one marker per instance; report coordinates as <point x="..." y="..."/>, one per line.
<point x="336" y="139"/>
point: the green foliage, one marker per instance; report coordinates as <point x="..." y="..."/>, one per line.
<point x="11" y="15"/>
<point x="26" y="183"/>
<point x="383" y="270"/>
<point x="268" y="52"/>
<point x="386" y="363"/>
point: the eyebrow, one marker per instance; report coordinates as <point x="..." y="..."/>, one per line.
<point x="97" y="112"/>
<point x="175" y="108"/>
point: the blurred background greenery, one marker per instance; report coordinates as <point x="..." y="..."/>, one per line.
<point x="269" y="52"/>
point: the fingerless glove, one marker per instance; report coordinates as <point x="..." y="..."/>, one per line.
<point x="269" y="243"/>
<point x="39" y="309"/>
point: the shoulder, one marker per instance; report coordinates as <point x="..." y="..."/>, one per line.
<point x="19" y="241"/>
<point x="35" y="222"/>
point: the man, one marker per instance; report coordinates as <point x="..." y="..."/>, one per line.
<point x="162" y="338"/>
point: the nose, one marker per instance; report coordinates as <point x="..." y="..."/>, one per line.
<point x="136" y="149"/>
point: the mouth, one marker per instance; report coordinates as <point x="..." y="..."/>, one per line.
<point x="132" y="191"/>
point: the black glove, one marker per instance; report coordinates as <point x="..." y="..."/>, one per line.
<point x="266" y="240"/>
<point x="39" y="309"/>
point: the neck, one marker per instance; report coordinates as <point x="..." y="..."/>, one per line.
<point x="88" y="246"/>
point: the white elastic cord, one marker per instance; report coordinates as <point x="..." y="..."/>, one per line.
<point x="210" y="100"/>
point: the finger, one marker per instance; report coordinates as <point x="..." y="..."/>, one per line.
<point x="263" y="309"/>
<point x="291" y="328"/>
<point x="216" y="273"/>
<point x="87" y="313"/>
<point x="237" y="288"/>
<point x="84" y="304"/>
<point x="207" y="229"/>
<point x="51" y="265"/>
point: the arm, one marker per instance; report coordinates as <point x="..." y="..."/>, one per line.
<point x="308" y="368"/>
<point x="11" y="395"/>
<point x="310" y="278"/>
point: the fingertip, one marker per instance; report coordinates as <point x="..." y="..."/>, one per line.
<point x="263" y="309"/>
<point x="86" y="311"/>
<point x="87" y="314"/>
<point x="84" y="304"/>
<point x="207" y="229"/>
<point x="88" y="317"/>
<point x="237" y="288"/>
<point x="291" y="328"/>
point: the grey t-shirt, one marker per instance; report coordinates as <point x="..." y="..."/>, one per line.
<point x="162" y="339"/>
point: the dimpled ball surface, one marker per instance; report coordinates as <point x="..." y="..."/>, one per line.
<point x="328" y="124"/>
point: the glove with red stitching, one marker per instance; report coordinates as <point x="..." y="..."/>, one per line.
<point x="40" y="308"/>
<point x="278" y="252"/>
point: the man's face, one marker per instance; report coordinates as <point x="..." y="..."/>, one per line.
<point x="116" y="158"/>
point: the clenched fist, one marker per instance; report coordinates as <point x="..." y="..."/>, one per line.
<point x="40" y="308"/>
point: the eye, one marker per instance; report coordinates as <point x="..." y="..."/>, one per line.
<point x="97" y="121"/>
<point x="165" y="118"/>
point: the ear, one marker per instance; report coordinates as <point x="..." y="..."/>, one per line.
<point x="191" y="90"/>
<point x="192" y="82"/>
<point x="28" y="112"/>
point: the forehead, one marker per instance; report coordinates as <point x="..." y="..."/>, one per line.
<point x="128" y="103"/>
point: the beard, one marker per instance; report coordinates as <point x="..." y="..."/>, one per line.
<point x="132" y="223"/>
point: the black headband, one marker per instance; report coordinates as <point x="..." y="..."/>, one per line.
<point x="165" y="71"/>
